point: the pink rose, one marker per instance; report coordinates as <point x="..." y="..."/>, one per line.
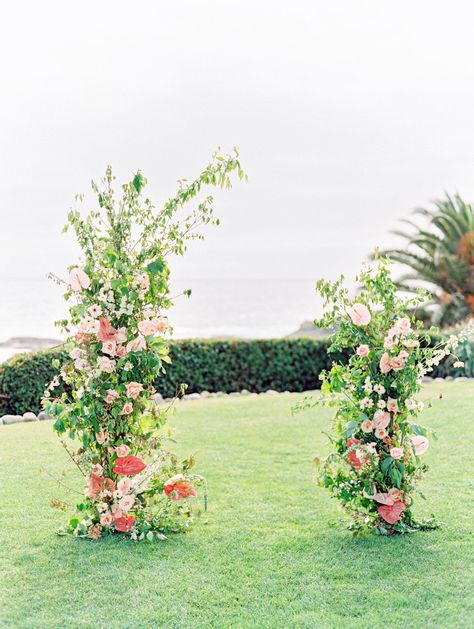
<point x="122" y="450"/>
<point x="127" y="409"/>
<point x="363" y="351"/>
<point x="147" y="328"/>
<point x="133" y="389"/>
<point x="396" y="453"/>
<point x="162" y="324"/>
<point x="126" y="503"/>
<point x="367" y="425"/>
<point x="124" y="483"/>
<point x="102" y="436"/>
<point x="403" y="355"/>
<point x="76" y="353"/>
<point x="389" y="343"/>
<point x="120" y="351"/>
<point x="385" y="363"/>
<point x="111" y="395"/>
<point x="116" y="510"/>
<point x="121" y="336"/>
<point x="359" y="314"/>
<point x="381" y="419"/>
<point x="106" y="519"/>
<point x="380" y="433"/>
<point x="109" y="348"/>
<point x="397" y="363"/>
<point x="420" y="444"/>
<point x="78" y="279"/>
<point x="392" y="405"/>
<point x="105" y="364"/>
<point x="403" y="325"/>
<point x="136" y="345"/>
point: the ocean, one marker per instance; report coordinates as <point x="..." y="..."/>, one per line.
<point x="245" y="308"/>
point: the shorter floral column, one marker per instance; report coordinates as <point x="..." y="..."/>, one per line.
<point x="381" y="355"/>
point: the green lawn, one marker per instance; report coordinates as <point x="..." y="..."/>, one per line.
<point x="270" y="552"/>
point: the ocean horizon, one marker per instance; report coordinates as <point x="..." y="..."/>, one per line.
<point x="243" y="308"/>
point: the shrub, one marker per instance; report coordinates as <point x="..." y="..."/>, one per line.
<point x="280" y="364"/>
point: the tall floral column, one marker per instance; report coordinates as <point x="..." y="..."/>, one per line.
<point x="117" y="348"/>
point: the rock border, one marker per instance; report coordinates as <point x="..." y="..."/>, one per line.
<point x="6" y="420"/>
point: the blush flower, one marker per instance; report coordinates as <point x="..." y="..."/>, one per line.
<point x="380" y="433"/>
<point x="133" y="389"/>
<point x="162" y="324"/>
<point x="136" y="344"/>
<point x="121" y="336"/>
<point x="367" y="426"/>
<point x="127" y="409"/>
<point x="126" y="503"/>
<point x="106" y="519"/>
<point x="359" y="314"/>
<point x="105" y="364"/>
<point x="109" y="348"/>
<point x="362" y="351"/>
<point x="381" y="419"/>
<point x="396" y="453"/>
<point x="420" y="444"/>
<point x="392" y="405"/>
<point x="111" y="395"/>
<point x="106" y="331"/>
<point x="147" y="328"/>
<point x="124" y="484"/>
<point x="102" y="436"/>
<point x="78" y="279"/>
<point x="385" y="363"/>
<point x="122" y="450"/>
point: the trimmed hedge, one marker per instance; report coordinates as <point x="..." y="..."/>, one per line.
<point x="204" y="365"/>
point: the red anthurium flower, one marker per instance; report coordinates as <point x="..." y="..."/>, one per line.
<point x="180" y="490"/>
<point x="392" y="513"/>
<point x="106" y="331"/>
<point x="97" y="484"/>
<point x="124" y="523"/>
<point x="129" y="465"/>
<point x="352" y="456"/>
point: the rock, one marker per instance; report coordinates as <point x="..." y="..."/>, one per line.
<point x="212" y="394"/>
<point x="439" y="379"/>
<point x="158" y="398"/>
<point x="462" y="379"/>
<point x="245" y="392"/>
<point x="29" y="417"/>
<point x="449" y="378"/>
<point x="12" y="419"/>
<point x="221" y="394"/>
<point x="191" y="396"/>
<point x="427" y="379"/>
<point x="234" y="394"/>
<point x="167" y="400"/>
<point x="43" y="415"/>
<point x="205" y="394"/>
<point x="271" y="392"/>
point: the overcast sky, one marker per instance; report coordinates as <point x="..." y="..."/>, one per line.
<point x="347" y="114"/>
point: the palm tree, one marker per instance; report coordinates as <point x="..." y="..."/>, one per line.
<point x="441" y="255"/>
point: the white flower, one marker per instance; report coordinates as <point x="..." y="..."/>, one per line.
<point x="381" y="404"/>
<point x="453" y="341"/>
<point x="379" y="388"/>
<point x="420" y="406"/>
<point x="366" y="403"/>
<point x="410" y="403"/>
<point x="95" y="310"/>
<point x="128" y="366"/>
<point x="458" y="364"/>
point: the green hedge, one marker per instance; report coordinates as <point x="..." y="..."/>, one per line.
<point x="282" y="365"/>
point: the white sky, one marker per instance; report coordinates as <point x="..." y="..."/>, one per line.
<point x="347" y="114"/>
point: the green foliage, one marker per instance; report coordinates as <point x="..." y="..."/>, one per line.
<point x="205" y="365"/>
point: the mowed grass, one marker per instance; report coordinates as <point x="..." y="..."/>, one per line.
<point x="270" y="552"/>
